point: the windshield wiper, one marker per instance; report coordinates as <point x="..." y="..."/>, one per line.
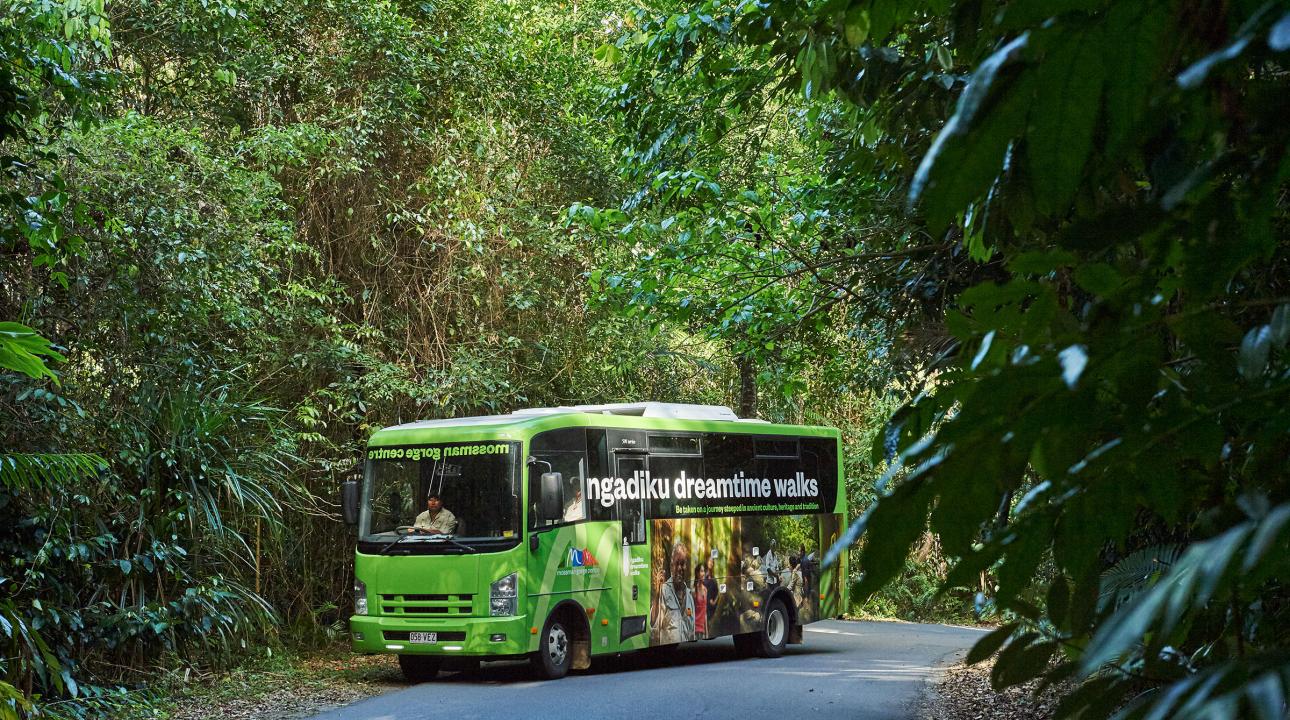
<point x="458" y="543"/>
<point x="431" y="539"/>
<point x="394" y="542"/>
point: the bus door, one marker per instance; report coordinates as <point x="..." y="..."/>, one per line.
<point x="634" y="569"/>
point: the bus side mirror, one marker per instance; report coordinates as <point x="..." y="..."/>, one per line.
<point x="349" y="501"/>
<point x="551" y="508"/>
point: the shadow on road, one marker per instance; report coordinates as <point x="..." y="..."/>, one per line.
<point x="703" y="653"/>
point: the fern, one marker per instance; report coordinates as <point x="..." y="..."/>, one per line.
<point x="1208" y="574"/>
<point x="25" y="472"/>
<point x="1135" y="572"/>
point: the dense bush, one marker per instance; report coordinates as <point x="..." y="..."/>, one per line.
<point x="292" y="224"/>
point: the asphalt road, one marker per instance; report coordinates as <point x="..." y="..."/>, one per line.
<point x="858" y="670"/>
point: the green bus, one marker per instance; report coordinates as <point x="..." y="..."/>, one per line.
<point x="559" y="534"/>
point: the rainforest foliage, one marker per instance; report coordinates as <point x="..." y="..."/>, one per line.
<point x="1061" y="229"/>
<point x="1029" y="255"/>
<point x="234" y="238"/>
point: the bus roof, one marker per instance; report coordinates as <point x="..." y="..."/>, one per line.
<point x="535" y="416"/>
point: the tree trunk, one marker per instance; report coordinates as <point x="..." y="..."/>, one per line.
<point x="747" y="386"/>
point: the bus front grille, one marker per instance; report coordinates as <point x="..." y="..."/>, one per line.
<point x="453" y="605"/>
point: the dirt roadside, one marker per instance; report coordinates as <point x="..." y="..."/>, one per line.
<point x="964" y="693"/>
<point x="287" y="688"/>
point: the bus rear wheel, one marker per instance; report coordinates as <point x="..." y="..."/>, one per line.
<point x="419" y="668"/>
<point x="770" y="641"/>
<point x="555" y="650"/>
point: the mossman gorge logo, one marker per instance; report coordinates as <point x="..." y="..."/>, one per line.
<point x="578" y="561"/>
<point x="641" y="486"/>
<point x="581" y="558"/>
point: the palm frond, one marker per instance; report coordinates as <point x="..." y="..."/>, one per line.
<point x="1135" y="572"/>
<point x="21" y="472"/>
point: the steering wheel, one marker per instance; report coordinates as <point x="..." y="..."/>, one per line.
<point x="406" y="530"/>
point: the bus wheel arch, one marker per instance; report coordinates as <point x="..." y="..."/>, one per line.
<point x="771" y="638"/>
<point x="565" y="642"/>
<point x="794" y="617"/>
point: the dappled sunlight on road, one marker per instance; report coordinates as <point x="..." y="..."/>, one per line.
<point x="862" y="670"/>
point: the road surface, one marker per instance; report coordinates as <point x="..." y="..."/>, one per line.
<point x="857" y="670"/>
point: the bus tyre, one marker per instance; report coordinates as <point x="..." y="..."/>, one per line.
<point x="555" y="650"/>
<point x="419" y="668"/>
<point x="773" y="638"/>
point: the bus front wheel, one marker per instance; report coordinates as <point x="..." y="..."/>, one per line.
<point x="555" y="650"/>
<point x="419" y="668"/>
<point x="770" y="641"/>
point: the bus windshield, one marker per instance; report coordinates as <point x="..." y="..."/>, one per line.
<point x="476" y="485"/>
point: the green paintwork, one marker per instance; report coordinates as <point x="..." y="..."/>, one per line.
<point x="546" y="578"/>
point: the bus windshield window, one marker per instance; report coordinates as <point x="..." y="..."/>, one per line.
<point x="475" y="484"/>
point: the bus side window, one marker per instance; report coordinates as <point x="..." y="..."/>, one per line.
<point x="598" y="467"/>
<point x="572" y="469"/>
<point x="562" y="451"/>
<point x="672" y="467"/>
<point x="726" y="455"/>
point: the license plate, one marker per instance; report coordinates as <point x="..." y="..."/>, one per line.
<point x="423" y="637"/>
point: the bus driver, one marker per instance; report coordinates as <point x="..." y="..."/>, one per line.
<point x="436" y="520"/>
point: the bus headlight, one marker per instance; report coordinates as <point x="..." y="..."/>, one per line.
<point x="502" y="598"/>
<point x="360" y="597"/>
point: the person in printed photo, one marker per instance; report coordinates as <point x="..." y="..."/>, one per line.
<point x="674" y="614"/>
<point x="710" y="583"/>
<point x="794" y="582"/>
<point x="810" y="569"/>
<point x="770" y="564"/>
<point x="700" y="601"/>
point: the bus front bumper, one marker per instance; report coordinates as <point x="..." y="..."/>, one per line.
<point x="477" y="637"/>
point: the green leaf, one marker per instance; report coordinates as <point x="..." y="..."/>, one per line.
<point x="1280" y="326"/>
<point x="1254" y="352"/>
<point x="1267" y="695"/>
<point x="1279" y="36"/>
<point x="1098" y="278"/>
<point x="1007" y="665"/>
<point x="891" y="527"/>
<point x="1029" y="13"/>
<point x="1018" y="569"/>
<point x="1199" y="71"/>
<point x="69" y="682"/>
<point x="856" y="27"/>
<point x="887" y="15"/>
<point x="1059" y="602"/>
<point x="608" y="53"/>
<point x="1265" y="537"/>
<point x="1073" y="360"/>
<point x="1067" y="106"/>
<point x="967" y="504"/>
<point x="944" y="58"/>
<point x="1190" y="583"/>
<point x="1040" y="262"/>
<point x="21" y="349"/>
<point x="1083" y="702"/>
<point x="1083" y="607"/>
<point x="990" y="643"/>
<point x="967" y="154"/>
<point x="1137" y="34"/>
